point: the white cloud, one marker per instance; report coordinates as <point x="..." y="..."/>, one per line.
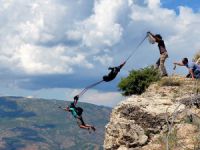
<point x="51" y="36"/>
<point x="104" y="60"/>
<point x="36" y="36"/>
<point x="153" y="4"/>
<point x="102" y="28"/>
<point x="33" y="38"/>
<point x="97" y="97"/>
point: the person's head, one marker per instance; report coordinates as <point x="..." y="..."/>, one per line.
<point x="185" y="61"/>
<point x="76" y="97"/>
<point x="158" y="36"/>
<point x="72" y="105"/>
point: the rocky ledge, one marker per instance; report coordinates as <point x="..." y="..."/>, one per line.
<point x="147" y="121"/>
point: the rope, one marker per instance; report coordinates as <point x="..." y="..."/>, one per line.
<point x="94" y="84"/>
<point x="88" y="87"/>
<point x="136" y="48"/>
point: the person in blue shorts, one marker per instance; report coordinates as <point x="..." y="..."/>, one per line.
<point x="77" y="114"/>
<point x="194" y="69"/>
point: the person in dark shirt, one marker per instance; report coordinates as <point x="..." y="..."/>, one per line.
<point x="163" y="53"/>
<point x="113" y="73"/>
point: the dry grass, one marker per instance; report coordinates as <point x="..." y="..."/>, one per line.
<point x="169" y="82"/>
<point x="197" y="56"/>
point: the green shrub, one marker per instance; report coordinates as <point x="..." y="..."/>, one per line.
<point x="138" y="81"/>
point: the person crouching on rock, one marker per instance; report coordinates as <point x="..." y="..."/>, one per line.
<point x="194" y="69"/>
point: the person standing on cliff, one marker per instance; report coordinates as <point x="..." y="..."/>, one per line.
<point x="163" y="52"/>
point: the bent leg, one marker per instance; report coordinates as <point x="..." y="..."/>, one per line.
<point x="197" y="74"/>
<point x="163" y="70"/>
<point x="82" y="124"/>
<point x="156" y="66"/>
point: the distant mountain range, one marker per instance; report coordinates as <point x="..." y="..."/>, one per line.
<point x="38" y="124"/>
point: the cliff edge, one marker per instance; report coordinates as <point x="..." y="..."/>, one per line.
<point x="158" y="119"/>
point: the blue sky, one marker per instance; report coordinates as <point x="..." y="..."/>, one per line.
<point x="175" y="4"/>
<point x="54" y="48"/>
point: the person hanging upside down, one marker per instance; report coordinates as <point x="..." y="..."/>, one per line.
<point x="113" y="73"/>
<point x="77" y="114"/>
<point x="194" y="69"/>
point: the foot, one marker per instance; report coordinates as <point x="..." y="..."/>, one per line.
<point x="89" y="130"/>
<point x="93" y="128"/>
<point x="164" y="75"/>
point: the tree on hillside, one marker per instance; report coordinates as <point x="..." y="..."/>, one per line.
<point x="138" y="81"/>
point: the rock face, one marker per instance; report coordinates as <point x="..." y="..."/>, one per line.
<point x="136" y="122"/>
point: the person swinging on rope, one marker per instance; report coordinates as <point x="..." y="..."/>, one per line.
<point x="113" y="73"/>
<point x="77" y="114"/>
<point x="163" y="52"/>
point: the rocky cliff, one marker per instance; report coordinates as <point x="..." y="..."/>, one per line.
<point x="166" y="116"/>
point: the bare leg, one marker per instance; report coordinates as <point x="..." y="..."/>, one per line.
<point x="84" y="127"/>
<point x="87" y="127"/>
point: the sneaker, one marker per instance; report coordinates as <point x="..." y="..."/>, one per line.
<point x="89" y="130"/>
<point x="164" y="75"/>
<point x="93" y="128"/>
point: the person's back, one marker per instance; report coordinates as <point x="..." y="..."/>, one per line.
<point x="161" y="46"/>
<point x="193" y="66"/>
<point x="113" y="73"/>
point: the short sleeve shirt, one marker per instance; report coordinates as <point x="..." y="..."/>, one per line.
<point x="161" y="46"/>
<point x="193" y="66"/>
<point x="73" y="112"/>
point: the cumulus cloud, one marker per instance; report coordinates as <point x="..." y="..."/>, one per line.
<point x="49" y="37"/>
<point x="102" y="28"/>
<point x="79" y="37"/>
<point x="34" y="40"/>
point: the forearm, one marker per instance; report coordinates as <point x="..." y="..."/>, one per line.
<point x="178" y="63"/>
<point x="150" y="33"/>
<point x="65" y="109"/>
<point x="110" y="68"/>
<point x="156" y="39"/>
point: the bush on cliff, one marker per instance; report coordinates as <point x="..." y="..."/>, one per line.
<point x="138" y="81"/>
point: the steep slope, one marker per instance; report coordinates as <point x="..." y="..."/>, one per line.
<point x="140" y="121"/>
<point x="37" y="124"/>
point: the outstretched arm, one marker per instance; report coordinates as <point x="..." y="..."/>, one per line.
<point x="122" y="64"/>
<point x="65" y="109"/>
<point x="110" y="68"/>
<point x="156" y="38"/>
<point x="179" y="63"/>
